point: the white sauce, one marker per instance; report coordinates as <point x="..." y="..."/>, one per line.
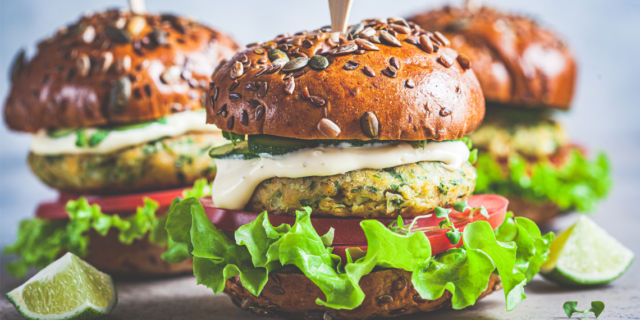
<point x="176" y="124"/>
<point x="236" y="179"/>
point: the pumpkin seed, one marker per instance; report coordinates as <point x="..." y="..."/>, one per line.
<point x="318" y="62"/>
<point x="120" y="94"/>
<point x="295" y="64"/>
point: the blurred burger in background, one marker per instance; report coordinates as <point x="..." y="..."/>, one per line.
<point x="528" y="75"/>
<point x="114" y="103"/>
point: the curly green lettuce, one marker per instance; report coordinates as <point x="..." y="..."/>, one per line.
<point x="515" y="251"/>
<point x="41" y="241"/>
<point x="578" y="184"/>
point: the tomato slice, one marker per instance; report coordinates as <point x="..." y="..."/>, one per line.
<point x="349" y="234"/>
<point x="125" y="204"/>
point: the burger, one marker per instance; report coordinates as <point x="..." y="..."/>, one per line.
<point x="346" y="188"/>
<point x="114" y="103"/>
<point x="528" y="76"/>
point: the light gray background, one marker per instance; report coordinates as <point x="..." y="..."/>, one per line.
<point x="604" y="35"/>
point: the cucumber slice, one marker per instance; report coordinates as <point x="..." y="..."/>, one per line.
<point x="226" y="151"/>
<point x="68" y="288"/>
<point x="586" y="255"/>
<point x="277" y="145"/>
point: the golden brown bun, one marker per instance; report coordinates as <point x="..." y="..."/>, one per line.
<point x="538" y="212"/>
<point x="396" y="91"/>
<point x="112" y="67"/>
<point x="517" y="61"/>
<point x="389" y="293"/>
<point x="140" y="258"/>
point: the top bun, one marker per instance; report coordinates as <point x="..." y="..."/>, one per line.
<point x="384" y="79"/>
<point x="114" y="67"/>
<point x="517" y="61"/>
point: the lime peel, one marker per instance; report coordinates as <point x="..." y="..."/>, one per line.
<point x="584" y="255"/>
<point x="68" y="288"/>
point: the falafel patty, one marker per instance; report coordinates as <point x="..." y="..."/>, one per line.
<point x="530" y="133"/>
<point x="169" y="162"/>
<point x="409" y="190"/>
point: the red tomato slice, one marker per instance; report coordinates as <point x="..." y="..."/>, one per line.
<point x="125" y="204"/>
<point x="348" y="232"/>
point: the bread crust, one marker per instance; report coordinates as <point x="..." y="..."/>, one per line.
<point x="388" y="293"/>
<point x="372" y="88"/>
<point x="517" y="61"/>
<point x="141" y="258"/>
<point x="113" y="67"/>
<point x="539" y="212"/>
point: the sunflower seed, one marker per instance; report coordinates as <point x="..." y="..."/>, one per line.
<point x="425" y="43"/>
<point x="400" y="29"/>
<point x="464" y="62"/>
<point x="259" y="114"/>
<point x="124" y="64"/>
<point x="233" y="96"/>
<point x="350" y="65"/>
<point x="445" y="60"/>
<point x="318" y="62"/>
<point x="442" y="39"/>
<point x="390" y="39"/>
<point x="88" y="34"/>
<point x="262" y="60"/>
<point x="409" y="84"/>
<point x="216" y="91"/>
<point x="230" y="122"/>
<point x="399" y="284"/>
<point x="369" y="124"/>
<point x="83" y="64"/>
<point x="346" y="49"/>
<point x="223" y="111"/>
<point x="328" y="128"/>
<point x="263" y="89"/>
<point x="390" y="72"/>
<point x="17" y="65"/>
<point x="136" y="25"/>
<point x="295" y="64"/>
<point x="289" y="85"/>
<point x="244" y="118"/>
<point x="280" y="62"/>
<point x="117" y="35"/>
<point x="367" y="32"/>
<point x="171" y="75"/>
<point x="367" y="45"/>
<point x="261" y="71"/>
<point x="317" y="101"/>
<point x="234" y="85"/>
<point x="237" y="70"/>
<point x="398" y="21"/>
<point x="394" y="62"/>
<point x="368" y="71"/>
<point x="120" y="94"/>
<point x="356" y="28"/>
<point x="411" y="39"/>
<point x="445" y="112"/>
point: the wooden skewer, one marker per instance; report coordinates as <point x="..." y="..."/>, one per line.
<point x="340" y="10"/>
<point x="137" y="6"/>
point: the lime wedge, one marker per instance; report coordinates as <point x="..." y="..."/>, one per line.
<point x="585" y="255"/>
<point x="69" y="288"/>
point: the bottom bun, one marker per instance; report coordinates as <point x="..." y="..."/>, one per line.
<point x="140" y="258"/>
<point x="539" y="212"/>
<point x="388" y="293"/>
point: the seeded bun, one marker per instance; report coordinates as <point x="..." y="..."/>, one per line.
<point x="385" y="79"/>
<point x="114" y="67"/>
<point x="141" y="258"/>
<point x="517" y="61"/>
<point x="388" y="293"/>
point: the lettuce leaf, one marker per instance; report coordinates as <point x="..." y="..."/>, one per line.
<point x="578" y="184"/>
<point x="41" y="241"/>
<point x="515" y="251"/>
